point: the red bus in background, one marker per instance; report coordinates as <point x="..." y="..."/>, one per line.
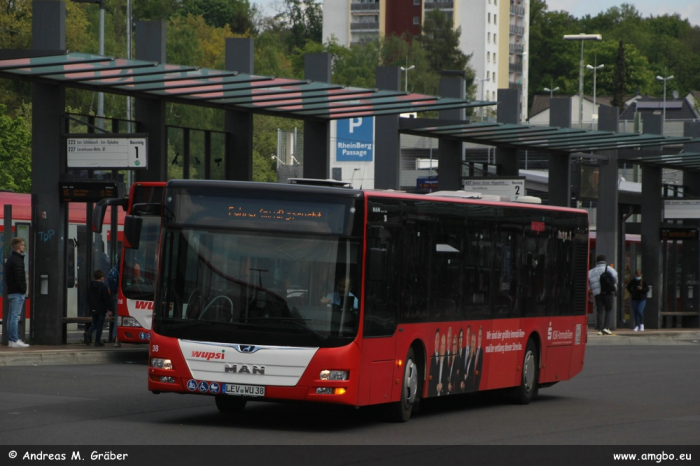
<point x="137" y="263"/>
<point x="333" y="295"/>
<point x="77" y="218"/>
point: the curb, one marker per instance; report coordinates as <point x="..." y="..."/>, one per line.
<point x="653" y="337"/>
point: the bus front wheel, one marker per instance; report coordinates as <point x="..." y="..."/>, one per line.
<point x="229" y="404"/>
<point x="410" y="396"/>
<point x="527" y="390"/>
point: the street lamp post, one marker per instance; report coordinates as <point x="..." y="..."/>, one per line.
<point x="406" y="82"/>
<point x="100" y="95"/>
<point x="483" y="80"/>
<point x="581" y="37"/>
<point x="551" y="91"/>
<point x="667" y="78"/>
<point x="595" y="113"/>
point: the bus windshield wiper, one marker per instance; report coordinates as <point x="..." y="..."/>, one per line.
<point x="189" y="323"/>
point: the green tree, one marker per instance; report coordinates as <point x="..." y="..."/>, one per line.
<point x="441" y="43"/>
<point x="15" y="153"/>
<point x="236" y="14"/>
<point x="301" y="21"/>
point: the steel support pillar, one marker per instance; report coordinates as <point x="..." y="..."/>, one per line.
<point x="239" y="125"/>
<point x="387" y="153"/>
<point x="507" y="158"/>
<point x="450" y="151"/>
<point x="150" y="113"/>
<point x="317" y="67"/>
<point x="652" y="211"/>
<point x="47" y="254"/>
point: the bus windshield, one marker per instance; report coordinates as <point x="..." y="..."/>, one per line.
<point x="139" y="265"/>
<point x="275" y="288"/>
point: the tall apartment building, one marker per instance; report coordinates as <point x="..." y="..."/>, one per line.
<point x="495" y="32"/>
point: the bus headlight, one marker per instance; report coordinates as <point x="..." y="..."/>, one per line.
<point x="160" y="363"/>
<point x="334" y="375"/>
<point x="128" y="322"/>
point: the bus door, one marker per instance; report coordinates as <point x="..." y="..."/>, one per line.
<point x="379" y="353"/>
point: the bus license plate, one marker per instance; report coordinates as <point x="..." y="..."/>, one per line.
<point x="244" y="390"/>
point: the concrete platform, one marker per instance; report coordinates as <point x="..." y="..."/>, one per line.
<point x="73" y="353"/>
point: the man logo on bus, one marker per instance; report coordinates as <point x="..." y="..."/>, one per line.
<point x="244" y="369"/>
<point x="246" y="348"/>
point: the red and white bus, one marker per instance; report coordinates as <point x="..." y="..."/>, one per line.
<point x="137" y="264"/>
<point x="333" y="295"/>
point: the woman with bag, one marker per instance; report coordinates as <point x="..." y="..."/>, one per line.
<point x="638" y="290"/>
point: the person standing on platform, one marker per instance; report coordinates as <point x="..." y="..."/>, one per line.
<point x="638" y="289"/>
<point x="113" y="285"/>
<point x="16" y="283"/>
<point x="99" y="305"/>
<point x="603" y="285"/>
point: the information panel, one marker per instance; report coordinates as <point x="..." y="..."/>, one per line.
<point x="511" y="187"/>
<point x="87" y="191"/>
<point x="682" y="209"/>
<point x="114" y="151"/>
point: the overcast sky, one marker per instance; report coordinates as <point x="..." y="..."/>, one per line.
<point x="686" y="8"/>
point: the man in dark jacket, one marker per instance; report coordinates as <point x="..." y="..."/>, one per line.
<point x="99" y="305"/>
<point x="16" y="283"/>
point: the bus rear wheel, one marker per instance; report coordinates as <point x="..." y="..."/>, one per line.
<point x="228" y="404"/>
<point x="410" y="391"/>
<point x="528" y="388"/>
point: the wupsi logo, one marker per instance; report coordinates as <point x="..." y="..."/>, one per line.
<point x="208" y="355"/>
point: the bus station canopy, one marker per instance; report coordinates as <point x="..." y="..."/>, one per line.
<point x="229" y="90"/>
<point x="567" y="140"/>
<point x="679" y="161"/>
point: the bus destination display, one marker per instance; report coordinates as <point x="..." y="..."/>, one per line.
<point x="87" y="191"/>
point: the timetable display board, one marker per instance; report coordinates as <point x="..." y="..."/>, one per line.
<point x="87" y="191"/>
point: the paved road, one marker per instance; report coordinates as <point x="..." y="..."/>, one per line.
<point x="627" y="395"/>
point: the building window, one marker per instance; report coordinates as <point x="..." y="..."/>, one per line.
<point x="494" y="73"/>
<point x="488" y="75"/>
<point x="488" y="37"/>
<point x="416" y="20"/>
<point x="494" y="37"/>
<point x="416" y="2"/>
<point x="495" y="16"/>
<point x="488" y="56"/>
<point x="494" y="57"/>
<point x="489" y="18"/>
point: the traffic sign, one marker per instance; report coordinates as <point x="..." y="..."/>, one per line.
<point x="116" y="151"/>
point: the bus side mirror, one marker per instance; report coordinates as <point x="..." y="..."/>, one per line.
<point x="377" y="264"/>
<point x="98" y="212"/>
<point x="132" y="231"/>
